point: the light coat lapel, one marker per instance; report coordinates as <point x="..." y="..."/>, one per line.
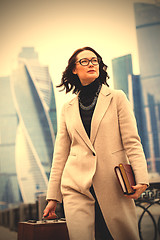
<point x="78" y="123"/>
<point x="103" y="102"/>
<point x="101" y="107"/>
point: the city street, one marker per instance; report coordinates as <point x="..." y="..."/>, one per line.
<point x="147" y="226"/>
<point x="6" y="234"/>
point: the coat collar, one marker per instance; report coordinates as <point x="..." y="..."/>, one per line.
<point x="103" y="102"/>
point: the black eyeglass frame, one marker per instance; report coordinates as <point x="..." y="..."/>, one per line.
<point x="99" y="60"/>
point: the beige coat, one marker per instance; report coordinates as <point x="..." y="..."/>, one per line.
<point x="80" y="162"/>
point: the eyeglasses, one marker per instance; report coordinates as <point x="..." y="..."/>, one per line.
<point x="86" y="61"/>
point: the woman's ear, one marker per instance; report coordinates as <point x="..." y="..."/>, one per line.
<point x="74" y="71"/>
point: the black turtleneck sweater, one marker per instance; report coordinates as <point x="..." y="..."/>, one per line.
<point x="86" y="97"/>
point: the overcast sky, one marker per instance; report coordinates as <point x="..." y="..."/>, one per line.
<point x="56" y="28"/>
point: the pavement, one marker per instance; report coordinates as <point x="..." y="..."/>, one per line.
<point x="147" y="226"/>
<point x="6" y="234"/>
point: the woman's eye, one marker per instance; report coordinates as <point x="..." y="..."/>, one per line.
<point x="84" y="61"/>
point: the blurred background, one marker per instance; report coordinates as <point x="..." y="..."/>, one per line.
<point x="37" y="39"/>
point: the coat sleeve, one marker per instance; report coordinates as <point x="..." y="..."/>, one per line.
<point x="61" y="152"/>
<point x="131" y="140"/>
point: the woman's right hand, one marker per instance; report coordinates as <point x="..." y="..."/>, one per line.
<point x="50" y="209"/>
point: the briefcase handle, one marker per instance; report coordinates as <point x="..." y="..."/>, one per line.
<point x="50" y="217"/>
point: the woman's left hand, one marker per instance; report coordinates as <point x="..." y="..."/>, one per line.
<point x="140" y="188"/>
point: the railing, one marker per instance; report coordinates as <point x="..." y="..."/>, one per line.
<point x="148" y="199"/>
<point x="9" y="218"/>
<point x="151" y="197"/>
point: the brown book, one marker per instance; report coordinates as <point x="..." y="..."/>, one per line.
<point x="125" y="178"/>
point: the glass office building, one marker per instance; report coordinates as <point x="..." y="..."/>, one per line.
<point x="135" y="97"/>
<point x="27" y="143"/>
<point x="147" y="18"/>
<point x="9" y="187"/>
<point x="124" y="79"/>
<point x="122" y="67"/>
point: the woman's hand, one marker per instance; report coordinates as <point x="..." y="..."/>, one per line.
<point x="49" y="211"/>
<point x="140" y="188"/>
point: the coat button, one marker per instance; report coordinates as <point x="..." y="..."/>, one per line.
<point x="94" y="154"/>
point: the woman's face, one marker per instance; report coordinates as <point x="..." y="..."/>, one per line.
<point x="89" y="73"/>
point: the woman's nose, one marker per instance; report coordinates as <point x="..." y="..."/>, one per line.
<point x="90" y="64"/>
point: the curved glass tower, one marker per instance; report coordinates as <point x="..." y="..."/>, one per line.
<point x="36" y="113"/>
<point x="9" y="188"/>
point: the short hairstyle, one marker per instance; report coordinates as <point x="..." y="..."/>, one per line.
<point x="71" y="81"/>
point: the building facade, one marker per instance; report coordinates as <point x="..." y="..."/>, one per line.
<point x="147" y="18"/>
<point x="125" y="80"/>
<point x="35" y="128"/>
<point x="135" y="97"/>
<point x="9" y="187"/>
<point x="122" y="67"/>
<point x="144" y="91"/>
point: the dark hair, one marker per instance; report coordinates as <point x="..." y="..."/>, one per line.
<point x="71" y="81"/>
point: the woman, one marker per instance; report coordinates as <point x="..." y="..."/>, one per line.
<point x="97" y="131"/>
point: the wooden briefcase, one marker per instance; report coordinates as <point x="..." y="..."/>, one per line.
<point x="40" y="230"/>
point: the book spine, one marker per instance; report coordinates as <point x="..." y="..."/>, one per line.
<point x="128" y="187"/>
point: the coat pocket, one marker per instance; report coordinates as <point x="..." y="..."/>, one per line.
<point x="119" y="156"/>
<point x="119" y="150"/>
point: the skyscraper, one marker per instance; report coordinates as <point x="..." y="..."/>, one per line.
<point x="9" y="187"/>
<point x="125" y="80"/>
<point x="147" y="18"/>
<point x="122" y="67"/>
<point x="35" y="126"/>
<point x="135" y="97"/>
